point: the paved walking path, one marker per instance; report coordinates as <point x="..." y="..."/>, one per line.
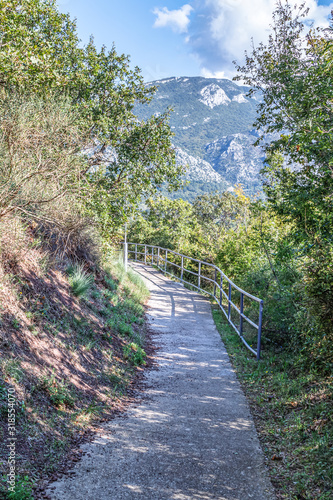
<point x="192" y="437"/>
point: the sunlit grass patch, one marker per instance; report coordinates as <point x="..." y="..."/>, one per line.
<point x="292" y="409"/>
<point x="80" y="280"/>
<point x="58" y="391"/>
<point x="135" y="354"/>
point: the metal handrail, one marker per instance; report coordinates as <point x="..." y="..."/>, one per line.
<point x="217" y="285"/>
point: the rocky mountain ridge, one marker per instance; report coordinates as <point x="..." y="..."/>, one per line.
<point x="213" y="124"/>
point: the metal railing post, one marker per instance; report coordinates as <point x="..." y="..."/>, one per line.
<point x="152" y="255"/>
<point x="136" y="251"/>
<point x="261" y="307"/>
<point x="145" y="254"/>
<point x="199" y="276"/>
<point x="125" y="255"/>
<point x="182" y="269"/>
<point x="215" y="277"/>
<point x="166" y="260"/>
<point x="241" y="314"/>
<point x="229" y="300"/>
<point x="158" y="257"/>
<point x="221" y="284"/>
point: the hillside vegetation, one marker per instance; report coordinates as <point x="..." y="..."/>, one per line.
<point x="75" y="162"/>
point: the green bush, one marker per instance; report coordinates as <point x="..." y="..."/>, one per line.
<point x="23" y="490"/>
<point x="58" y="391"/>
<point x="79" y="280"/>
<point x="135" y="354"/>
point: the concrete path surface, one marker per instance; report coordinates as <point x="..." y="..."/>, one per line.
<point x="192" y="437"/>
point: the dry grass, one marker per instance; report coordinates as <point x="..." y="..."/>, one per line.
<point x="70" y="235"/>
<point x="39" y="152"/>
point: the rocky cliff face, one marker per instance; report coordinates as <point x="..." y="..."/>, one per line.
<point x="198" y="169"/>
<point x="213" y="125"/>
<point x="236" y="159"/>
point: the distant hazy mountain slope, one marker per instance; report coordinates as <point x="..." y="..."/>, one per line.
<point x="236" y="159"/>
<point x="198" y="169"/>
<point x="213" y="121"/>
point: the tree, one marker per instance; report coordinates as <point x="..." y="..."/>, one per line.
<point x="142" y="162"/>
<point x="169" y="224"/>
<point x="293" y="75"/>
<point x="40" y="54"/>
<point x="217" y="213"/>
<point x="38" y="45"/>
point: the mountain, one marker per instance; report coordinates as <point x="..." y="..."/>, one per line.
<point x="236" y="159"/>
<point x="213" y="124"/>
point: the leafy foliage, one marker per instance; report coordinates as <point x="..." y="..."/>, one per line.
<point x="39" y="46"/>
<point x="293" y="73"/>
<point x="40" y="55"/>
<point x="135" y="354"/>
<point x="167" y="223"/>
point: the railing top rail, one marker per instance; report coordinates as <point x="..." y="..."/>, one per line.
<point x="205" y="264"/>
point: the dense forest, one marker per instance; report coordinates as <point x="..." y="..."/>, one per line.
<point x="76" y="164"/>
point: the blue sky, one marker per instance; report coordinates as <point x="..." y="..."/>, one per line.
<point x="180" y="38"/>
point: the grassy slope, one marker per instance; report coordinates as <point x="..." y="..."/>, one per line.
<point x="72" y="362"/>
<point x="292" y="410"/>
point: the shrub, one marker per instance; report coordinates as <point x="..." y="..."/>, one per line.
<point x="110" y="284"/>
<point x="68" y="234"/>
<point x="79" y="280"/>
<point x="58" y="392"/>
<point x="39" y="146"/>
<point x="13" y="240"/>
<point x="134" y="354"/>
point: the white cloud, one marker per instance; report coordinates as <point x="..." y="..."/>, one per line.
<point x="212" y="74"/>
<point x="222" y="29"/>
<point x="178" y="20"/>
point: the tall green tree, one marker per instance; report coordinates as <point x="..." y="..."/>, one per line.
<point x="217" y="213"/>
<point x="38" y="46"/>
<point x="40" y="54"/>
<point x="169" y="224"/>
<point x="293" y="75"/>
